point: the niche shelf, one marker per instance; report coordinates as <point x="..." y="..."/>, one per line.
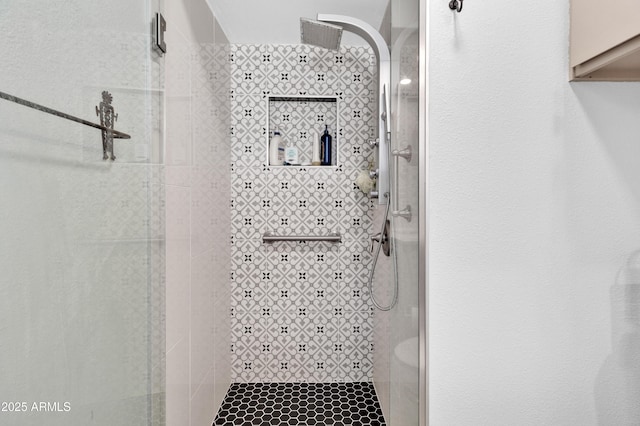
<point x="299" y="119"/>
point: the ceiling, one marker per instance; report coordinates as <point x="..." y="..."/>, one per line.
<point x="278" y="21"/>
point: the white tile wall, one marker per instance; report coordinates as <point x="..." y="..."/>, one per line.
<point x="199" y="221"/>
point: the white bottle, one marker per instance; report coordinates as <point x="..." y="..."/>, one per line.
<point x="291" y="154"/>
<point x="274" y="149"/>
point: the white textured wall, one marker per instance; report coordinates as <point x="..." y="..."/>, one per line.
<point x="198" y="217"/>
<point x="535" y="202"/>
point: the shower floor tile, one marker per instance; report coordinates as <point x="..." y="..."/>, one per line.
<point x="300" y="404"/>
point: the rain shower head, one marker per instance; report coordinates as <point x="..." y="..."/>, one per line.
<point x="320" y="34"/>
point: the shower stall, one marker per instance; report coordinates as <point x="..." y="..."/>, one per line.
<point x="140" y="276"/>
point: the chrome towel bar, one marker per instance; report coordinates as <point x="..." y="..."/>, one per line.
<point x="105" y="111"/>
<point x="116" y="134"/>
<point x="268" y="237"/>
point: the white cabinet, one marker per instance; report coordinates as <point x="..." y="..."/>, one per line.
<point x="605" y="40"/>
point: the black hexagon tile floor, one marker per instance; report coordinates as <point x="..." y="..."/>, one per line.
<point x="300" y="404"/>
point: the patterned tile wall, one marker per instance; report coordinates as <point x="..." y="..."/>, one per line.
<point x="300" y="311"/>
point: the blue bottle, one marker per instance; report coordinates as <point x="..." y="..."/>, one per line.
<point x="325" y="147"/>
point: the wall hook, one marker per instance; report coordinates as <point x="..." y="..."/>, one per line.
<point x="456" y="5"/>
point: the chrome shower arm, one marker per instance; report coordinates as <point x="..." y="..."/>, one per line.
<point x="361" y="28"/>
<point x="379" y="45"/>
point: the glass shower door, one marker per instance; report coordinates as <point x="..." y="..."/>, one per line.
<point x="404" y="386"/>
<point x="82" y="238"/>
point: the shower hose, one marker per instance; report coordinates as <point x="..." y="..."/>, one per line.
<point x="392" y="239"/>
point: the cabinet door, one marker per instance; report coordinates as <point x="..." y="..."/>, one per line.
<point x="605" y="40"/>
<point x="599" y="25"/>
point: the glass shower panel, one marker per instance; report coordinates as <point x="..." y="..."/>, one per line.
<point x="403" y="345"/>
<point x="82" y="247"/>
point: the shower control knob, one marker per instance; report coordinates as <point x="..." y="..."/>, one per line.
<point x="404" y="153"/>
<point x="374" y="142"/>
<point x="382" y="238"/>
<point x="373" y="194"/>
<point x="405" y="214"/>
<point x="374" y="239"/>
<point x="373" y="174"/>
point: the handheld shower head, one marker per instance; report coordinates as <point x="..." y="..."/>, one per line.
<point x="320" y="34"/>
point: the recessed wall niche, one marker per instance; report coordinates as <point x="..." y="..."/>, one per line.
<point x="302" y="118"/>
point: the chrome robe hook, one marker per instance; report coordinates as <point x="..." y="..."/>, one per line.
<point x="456" y="5"/>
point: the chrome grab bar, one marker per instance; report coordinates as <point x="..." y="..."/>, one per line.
<point x="269" y="238"/>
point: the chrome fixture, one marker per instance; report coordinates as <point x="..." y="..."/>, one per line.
<point x="108" y="134"/>
<point x="386" y="242"/>
<point x="379" y="45"/>
<point x="320" y="34"/>
<point x="160" y="28"/>
<point x="374" y="142"/>
<point x="405" y="214"/>
<point x="383" y="154"/>
<point x="268" y="237"/>
<point x="382" y="238"/>
<point x="373" y="174"/>
<point x="405" y="153"/>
